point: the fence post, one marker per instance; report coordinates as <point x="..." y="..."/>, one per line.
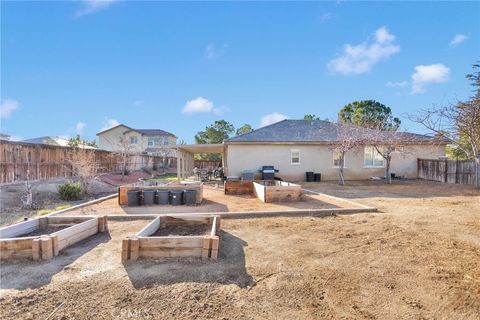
<point x="477" y="171"/>
<point x="418" y="168"/>
<point x="446" y="170"/>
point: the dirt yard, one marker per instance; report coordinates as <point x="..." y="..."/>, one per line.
<point x="418" y="258"/>
<point x="214" y="200"/>
<point x="45" y="196"/>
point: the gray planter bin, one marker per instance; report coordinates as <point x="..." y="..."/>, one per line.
<point x="133" y="197"/>
<point x="176" y="197"/>
<point x="189" y="197"/>
<point x="148" y="197"/>
<point x="162" y="197"/>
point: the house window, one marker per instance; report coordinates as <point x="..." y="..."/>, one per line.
<point x="372" y="158"/>
<point x="150" y="141"/>
<point x="336" y="159"/>
<point x="133" y="140"/>
<point x="295" y="154"/>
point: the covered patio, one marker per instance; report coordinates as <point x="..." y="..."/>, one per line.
<point x="186" y="157"/>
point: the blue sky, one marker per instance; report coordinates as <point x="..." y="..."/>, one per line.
<point x="69" y="67"/>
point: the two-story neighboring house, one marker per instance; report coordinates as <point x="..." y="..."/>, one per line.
<point x="153" y="142"/>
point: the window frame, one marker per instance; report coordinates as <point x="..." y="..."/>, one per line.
<point x="133" y="140"/>
<point x="150" y="141"/>
<point x="292" y="151"/>
<point x="344" y="160"/>
<point x="374" y="154"/>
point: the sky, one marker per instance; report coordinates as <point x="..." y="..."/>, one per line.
<point x="77" y="67"/>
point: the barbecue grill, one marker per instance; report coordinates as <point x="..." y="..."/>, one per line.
<point x="268" y="172"/>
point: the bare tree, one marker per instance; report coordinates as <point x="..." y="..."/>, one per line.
<point x="386" y="141"/>
<point x="348" y="138"/>
<point x="84" y="165"/>
<point x="27" y="196"/>
<point x="458" y="123"/>
<point x="164" y="151"/>
<point x="124" y="148"/>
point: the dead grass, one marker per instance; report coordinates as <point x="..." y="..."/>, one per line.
<point x="416" y="259"/>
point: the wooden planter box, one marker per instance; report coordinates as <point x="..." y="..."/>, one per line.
<point x="122" y="191"/>
<point x="48" y="245"/>
<point x="277" y="191"/>
<point x="146" y="245"/>
<point x="239" y="187"/>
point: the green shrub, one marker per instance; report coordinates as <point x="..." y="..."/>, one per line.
<point x="70" y="191"/>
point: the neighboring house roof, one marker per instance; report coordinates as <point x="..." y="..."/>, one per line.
<point x="42" y="140"/>
<point x="158" y="150"/>
<point x="307" y="131"/>
<point x="153" y="132"/>
<point x="119" y="125"/>
<point x="57" y="141"/>
<point x="145" y="132"/>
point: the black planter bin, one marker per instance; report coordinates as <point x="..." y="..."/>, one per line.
<point x="148" y="197"/>
<point x="317" y="177"/>
<point x="176" y="197"/>
<point x="133" y="198"/>
<point x="162" y="198"/>
<point x="189" y="197"/>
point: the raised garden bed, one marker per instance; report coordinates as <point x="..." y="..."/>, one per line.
<point x="169" y="237"/>
<point x="43" y="238"/>
<point x="277" y="191"/>
<point x="122" y="191"/>
<point x="238" y="187"/>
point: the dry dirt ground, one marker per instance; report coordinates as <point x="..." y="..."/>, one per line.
<point x="418" y="258"/>
<point x="214" y="200"/>
<point x="45" y="196"/>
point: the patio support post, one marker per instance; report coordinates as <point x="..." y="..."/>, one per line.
<point x="179" y="163"/>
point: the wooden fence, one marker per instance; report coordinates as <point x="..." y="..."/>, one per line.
<point x="46" y="162"/>
<point x="448" y="171"/>
<point x="207" y="164"/>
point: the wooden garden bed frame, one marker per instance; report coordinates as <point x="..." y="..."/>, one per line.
<point x="47" y="246"/>
<point x="277" y="191"/>
<point x="122" y="191"/>
<point x="143" y="245"/>
<point x="239" y="187"/>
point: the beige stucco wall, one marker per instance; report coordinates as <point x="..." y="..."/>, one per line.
<point x="108" y="140"/>
<point x="318" y="158"/>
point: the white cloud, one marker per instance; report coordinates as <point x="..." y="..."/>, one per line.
<point x="427" y="74"/>
<point x="92" y="6"/>
<point x="79" y="127"/>
<point x="201" y="105"/>
<point x="272" y="118"/>
<point x="7" y="106"/>
<point x="400" y="84"/>
<point x="459" y="38"/>
<point x="198" y="105"/>
<point x="212" y="52"/>
<point x="109" y="123"/>
<point x="361" y="58"/>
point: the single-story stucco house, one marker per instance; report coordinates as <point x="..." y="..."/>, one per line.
<point x="298" y="146"/>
